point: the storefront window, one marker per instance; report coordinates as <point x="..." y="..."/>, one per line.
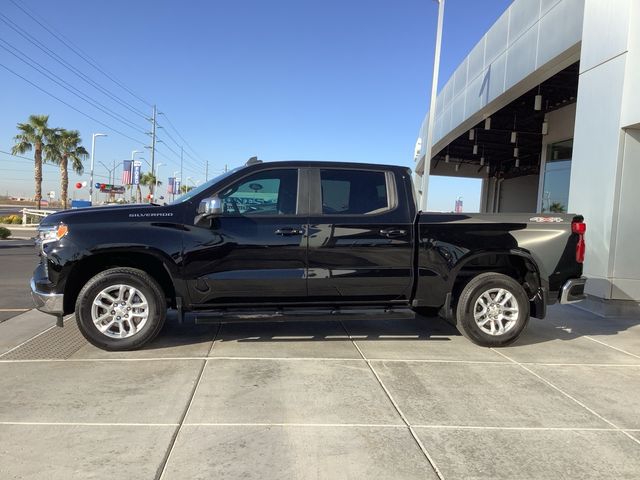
<point x="557" y="173"/>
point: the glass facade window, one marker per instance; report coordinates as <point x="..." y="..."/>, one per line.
<point x="557" y="174"/>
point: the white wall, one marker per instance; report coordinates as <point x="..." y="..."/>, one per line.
<point x="626" y="261"/>
<point x="598" y="190"/>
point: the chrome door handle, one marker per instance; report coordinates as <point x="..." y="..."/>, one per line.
<point x="287" y="231"/>
<point x="393" y="232"/>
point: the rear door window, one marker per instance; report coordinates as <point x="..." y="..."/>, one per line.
<point x="353" y="192"/>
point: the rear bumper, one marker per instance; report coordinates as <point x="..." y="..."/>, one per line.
<point x="573" y="290"/>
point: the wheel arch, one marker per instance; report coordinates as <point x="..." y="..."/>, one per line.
<point x="517" y="264"/>
<point x="146" y="260"/>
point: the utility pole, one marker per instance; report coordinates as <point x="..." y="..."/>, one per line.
<point x="206" y="171"/>
<point x="154" y="119"/>
<point x="181" y="177"/>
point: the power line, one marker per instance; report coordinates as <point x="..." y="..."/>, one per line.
<point x="181" y="137"/>
<point x="75" y="49"/>
<point x="30" y="160"/>
<point x="68" y="66"/>
<point x="67" y="86"/>
<point x="195" y="165"/>
<point x="71" y="106"/>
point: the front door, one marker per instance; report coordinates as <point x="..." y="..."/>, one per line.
<point x="255" y="251"/>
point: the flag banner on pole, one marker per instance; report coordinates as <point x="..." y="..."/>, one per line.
<point x="171" y="186"/>
<point x="126" y="172"/>
<point x="136" y="173"/>
<point x="177" y="186"/>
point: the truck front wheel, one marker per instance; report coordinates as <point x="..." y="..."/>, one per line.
<point x="120" y="309"/>
<point x="492" y="310"/>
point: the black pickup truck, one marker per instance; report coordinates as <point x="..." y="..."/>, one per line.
<point x="303" y="240"/>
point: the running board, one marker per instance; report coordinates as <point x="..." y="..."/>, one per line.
<point x="302" y="315"/>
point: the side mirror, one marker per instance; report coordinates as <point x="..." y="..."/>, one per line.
<point x="210" y="206"/>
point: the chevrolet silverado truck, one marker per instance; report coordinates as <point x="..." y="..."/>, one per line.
<point x="303" y="240"/>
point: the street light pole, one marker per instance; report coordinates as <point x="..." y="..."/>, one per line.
<point x="432" y="107"/>
<point x="156" y="175"/>
<point x="93" y="150"/>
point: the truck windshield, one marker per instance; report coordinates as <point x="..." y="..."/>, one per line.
<point x="201" y="188"/>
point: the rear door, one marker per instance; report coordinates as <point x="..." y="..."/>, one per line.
<point x="360" y="237"/>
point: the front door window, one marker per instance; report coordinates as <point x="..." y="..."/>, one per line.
<point x="557" y="174"/>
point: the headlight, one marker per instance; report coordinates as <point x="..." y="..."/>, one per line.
<point x="52" y="233"/>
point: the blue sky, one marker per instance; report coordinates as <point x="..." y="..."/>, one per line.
<point x="283" y="79"/>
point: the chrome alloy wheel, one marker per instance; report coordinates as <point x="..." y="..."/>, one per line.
<point x="496" y="311"/>
<point x="120" y="311"/>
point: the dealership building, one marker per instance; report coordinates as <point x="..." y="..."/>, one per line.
<point x="545" y="109"/>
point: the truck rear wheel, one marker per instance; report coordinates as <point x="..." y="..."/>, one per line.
<point x="120" y="309"/>
<point x="492" y="310"/>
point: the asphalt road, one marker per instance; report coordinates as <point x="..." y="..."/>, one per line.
<point x="7" y="210"/>
<point x="17" y="261"/>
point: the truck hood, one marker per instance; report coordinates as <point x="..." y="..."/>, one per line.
<point x="109" y="214"/>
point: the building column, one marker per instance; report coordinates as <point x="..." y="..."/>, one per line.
<point x="606" y="153"/>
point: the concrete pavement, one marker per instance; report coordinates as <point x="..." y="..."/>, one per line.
<point x="383" y="399"/>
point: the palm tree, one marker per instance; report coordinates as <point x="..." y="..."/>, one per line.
<point x="35" y="134"/>
<point x="65" y="146"/>
<point x="149" y="180"/>
<point x="557" y="207"/>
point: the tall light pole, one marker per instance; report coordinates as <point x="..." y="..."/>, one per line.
<point x="432" y="107"/>
<point x="133" y="153"/>
<point x="156" y="174"/>
<point x="93" y="151"/>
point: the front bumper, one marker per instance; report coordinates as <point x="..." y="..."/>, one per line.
<point x="43" y="294"/>
<point x="573" y="290"/>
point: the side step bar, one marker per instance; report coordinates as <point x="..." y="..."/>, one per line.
<point x="302" y="314"/>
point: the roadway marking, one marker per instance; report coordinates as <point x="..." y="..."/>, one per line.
<point x="14" y="309"/>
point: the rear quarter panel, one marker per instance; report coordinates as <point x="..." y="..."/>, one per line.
<point x="448" y="242"/>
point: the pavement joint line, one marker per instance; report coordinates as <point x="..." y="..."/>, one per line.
<point x="331" y="359"/>
<point x="91" y="424"/>
<point x="32" y="338"/>
<point x="416" y="439"/>
<point x="318" y="425"/>
<point x="163" y="466"/>
<point x="611" y="346"/>
<point x="313" y="425"/>
<point x="542" y="429"/>
<point x="569" y="396"/>
<point x="14" y="309"/>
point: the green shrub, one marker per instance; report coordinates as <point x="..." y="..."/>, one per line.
<point x="4" y="233"/>
<point x="16" y="219"/>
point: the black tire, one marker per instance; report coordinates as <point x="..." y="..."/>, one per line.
<point x="140" y="280"/>
<point x="466" y="305"/>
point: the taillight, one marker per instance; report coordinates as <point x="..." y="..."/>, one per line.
<point x="579" y="227"/>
